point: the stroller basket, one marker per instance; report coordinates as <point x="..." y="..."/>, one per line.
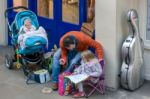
<point x="32" y="57"/>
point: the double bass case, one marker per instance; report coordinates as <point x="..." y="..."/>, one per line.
<point x="132" y="55"/>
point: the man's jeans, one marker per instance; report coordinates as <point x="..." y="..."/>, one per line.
<point x="56" y="65"/>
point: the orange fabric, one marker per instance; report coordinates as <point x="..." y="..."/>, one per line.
<point x="84" y="42"/>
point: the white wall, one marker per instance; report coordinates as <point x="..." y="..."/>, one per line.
<point x="111" y="30"/>
<point x="143" y="21"/>
<point x="3" y="32"/>
<point x="106" y="35"/>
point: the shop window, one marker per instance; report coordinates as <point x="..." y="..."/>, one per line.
<point x="20" y="3"/>
<point x="70" y="11"/>
<point x="45" y="8"/>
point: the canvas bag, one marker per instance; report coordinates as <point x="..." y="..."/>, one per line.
<point x="39" y="76"/>
<point x="42" y="76"/>
<point x="61" y="83"/>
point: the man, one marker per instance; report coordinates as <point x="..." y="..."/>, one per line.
<point x="71" y="45"/>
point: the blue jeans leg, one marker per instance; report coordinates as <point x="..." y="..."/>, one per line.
<point x="75" y="60"/>
<point x="56" y="66"/>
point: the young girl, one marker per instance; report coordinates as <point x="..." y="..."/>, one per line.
<point x="90" y="66"/>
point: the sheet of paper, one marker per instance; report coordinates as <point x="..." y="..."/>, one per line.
<point x="77" y="78"/>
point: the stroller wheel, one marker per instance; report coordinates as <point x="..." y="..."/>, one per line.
<point x="9" y="61"/>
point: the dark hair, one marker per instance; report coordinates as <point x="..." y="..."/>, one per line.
<point x="68" y="40"/>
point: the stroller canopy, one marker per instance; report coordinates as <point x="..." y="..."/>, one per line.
<point x="22" y="16"/>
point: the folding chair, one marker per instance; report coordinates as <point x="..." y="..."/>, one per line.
<point x="98" y="86"/>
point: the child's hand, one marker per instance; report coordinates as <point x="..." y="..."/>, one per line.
<point x="75" y="73"/>
<point x="89" y="78"/>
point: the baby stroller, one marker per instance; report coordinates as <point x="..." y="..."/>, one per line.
<point x="32" y="54"/>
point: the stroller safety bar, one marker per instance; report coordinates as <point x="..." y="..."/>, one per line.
<point x="9" y="9"/>
<point x="12" y="8"/>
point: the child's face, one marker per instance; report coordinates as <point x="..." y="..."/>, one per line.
<point x="87" y="57"/>
<point x="27" y="24"/>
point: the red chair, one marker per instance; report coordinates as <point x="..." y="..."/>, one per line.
<point x="98" y="86"/>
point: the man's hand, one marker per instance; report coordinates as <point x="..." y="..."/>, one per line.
<point x="102" y="62"/>
<point x="62" y="62"/>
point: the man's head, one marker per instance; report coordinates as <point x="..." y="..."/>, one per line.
<point x="70" y="42"/>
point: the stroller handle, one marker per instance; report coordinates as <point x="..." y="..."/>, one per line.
<point x="12" y="8"/>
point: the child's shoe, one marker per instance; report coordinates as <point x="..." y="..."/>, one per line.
<point x="67" y="90"/>
<point x="79" y="95"/>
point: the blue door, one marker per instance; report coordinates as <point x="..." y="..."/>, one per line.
<point x="56" y="16"/>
